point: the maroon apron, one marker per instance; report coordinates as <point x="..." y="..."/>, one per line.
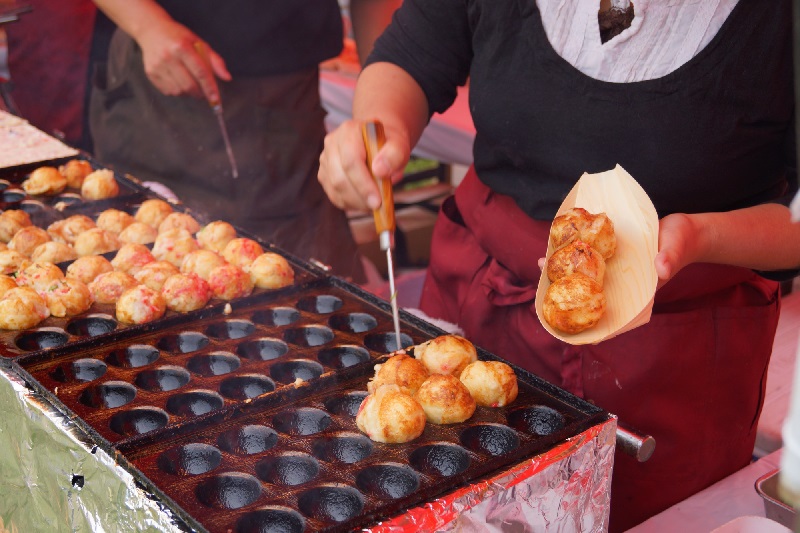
<point x="693" y="377"/>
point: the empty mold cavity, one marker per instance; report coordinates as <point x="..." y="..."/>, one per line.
<point x="248" y="440"/>
<point x="301" y="421"/>
<point x="322" y="304"/>
<point x="290" y="371"/>
<point x="5" y="184"/>
<point x="343" y="447"/>
<point x="388" y="481"/>
<point x="91" y="326"/>
<point x="188" y="341"/>
<point x="387" y="342"/>
<point x="343" y="356"/>
<point x="81" y="370"/>
<point x="309" y="335"/>
<point x="272" y="519"/>
<point x="231" y="329"/>
<point x="138" y="421"/>
<point x="331" y="503"/>
<point x="231" y="490"/>
<point x="353" y="322"/>
<point x="345" y="404"/>
<point x="537" y="420"/>
<point x="263" y="349"/>
<point x="246" y="386"/>
<point x="162" y="379"/>
<point x="277" y="316"/>
<point x="213" y="364"/>
<point x="133" y="356"/>
<point x="108" y="395"/>
<point x="42" y="338"/>
<point x="291" y="468"/>
<point x="69" y="198"/>
<point x="34" y="208"/>
<point x="441" y="459"/>
<point x="194" y="403"/>
<point x="492" y="439"/>
<point x="193" y="459"/>
<point x="12" y="196"/>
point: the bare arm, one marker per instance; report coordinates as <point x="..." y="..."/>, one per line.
<point x="370" y="18"/>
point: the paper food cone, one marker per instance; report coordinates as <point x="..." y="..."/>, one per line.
<point x="630" y="278"/>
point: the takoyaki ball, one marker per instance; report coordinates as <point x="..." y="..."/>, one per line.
<point x="22" y="308"/>
<point x="39" y="276"/>
<point x="27" y="239"/>
<point x="114" y="220"/>
<point x="88" y="267"/>
<point x="95" y="241"/>
<point x="577" y="256"/>
<point x="100" y="184"/>
<point x="139" y="233"/>
<point x="179" y="220"/>
<point x="573" y="303"/>
<point x="11" y="221"/>
<point x="445" y="399"/>
<point x="447" y="354"/>
<point x="6" y="284"/>
<point x="271" y="271"/>
<point x="3" y="246"/>
<point x="53" y="252"/>
<point x="75" y="171"/>
<point x="391" y="415"/>
<point x="139" y="305"/>
<point x="174" y="245"/>
<point x="186" y="292"/>
<point x="68" y="229"/>
<point x="401" y="370"/>
<point x="202" y="262"/>
<point x="45" y="181"/>
<point x="242" y="251"/>
<point x="131" y="258"/>
<point x="155" y="274"/>
<point x="491" y="383"/>
<point x="12" y="262"/>
<point x="68" y="297"/>
<point x="152" y="212"/>
<point x="216" y="235"/>
<point x="595" y="230"/>
<point x="229" y="282"/>
<point x="109" y="286"/>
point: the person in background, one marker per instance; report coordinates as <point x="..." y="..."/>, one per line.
<point x="150" y="114"/>
<point x="695" y="100"/>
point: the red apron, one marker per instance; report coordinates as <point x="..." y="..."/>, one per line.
<point x="693" y="377"/>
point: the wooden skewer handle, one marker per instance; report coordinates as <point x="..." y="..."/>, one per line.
<point x="374" y="139"/>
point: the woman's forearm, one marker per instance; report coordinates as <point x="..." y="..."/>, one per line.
<point x="134" y="17"/>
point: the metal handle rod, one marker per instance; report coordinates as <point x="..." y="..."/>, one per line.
<point x="635" y="444"/>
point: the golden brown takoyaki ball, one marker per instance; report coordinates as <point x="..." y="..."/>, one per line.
<point x="445" y="399"/>
<point x="39" y="276"/>
<point x="100" y="184"/>
<point x="22" y="308"/>
<point x="88" y="267"/>
<point x="186" y="292"/>
<point x="596" y="230"/>
<point x="202" y="262"/>
<point x="216" y="235"/>
<point x="447" y="354"/>
<point x="68" y="297"/>
<point x="270" y="271"/>
<point x="53" y="252"/>
<point x="577" y="256"/>
<point x="95" y="241"/>
<point x="45" y="181"/>
<point x="109" y="286"/>
<point x="229" y="282"/>
<point x="155" y="274"/>
<point x="491" y="383"/>
<point x="573" y="303"/>
<point x="179" y="220"/>
<point x="75" y="171"/>
<point x="174" y="245"/>
<point x="152" y="212"/>
<point x="139" y="305"/>
<point x="68" y="229"/>
<point x="27" y="239"/>
<point x="139" y="233"/>
<point x="241" y="251"/>
<point x="3" y="246"/>
<point x="6" y="284"/>
<point x="390" y="415"/>
<point x="114" y="220"/>
<point x="566" y="227"/>
<point x="401" y="370"/>
<point x="12" y="262"/>
<point x="132" y="257"/>
<point x="11" y="221"/>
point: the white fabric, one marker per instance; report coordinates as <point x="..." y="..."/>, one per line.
<point x="664" y="35"/>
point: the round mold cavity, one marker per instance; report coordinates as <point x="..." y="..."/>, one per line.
<point x="537" y="420"/>
<point x="248" y="440"/>
<point x="108" y="395"/>
<point x="346" y="448"/>
<point x="162" y="379"/>
<point x="32" y="207"/>
<point x="346" y="404"/>
<point x="231" y="490"/>
<point x="194" y="403"/>
<point x="492" y="439"/>
<point x="388" y="481"/>
<point x="188" y="341"/>
<point x="231" y="329"/>
<point x="69" y="198"/>
<point x="42" y="339"/>
<point x="193" y="459"/>
<point x="441" y="459"/>
<point x="302" y="421"/>
<point x="82" y="370"/>
<point x="387" y="342"/>
<point x="291" y="468"/>
<point x="4" y="184"/>
<point x="277" y="316"/>
<point x="289" y="371"/>
<point x="138" y="421"/>
<point x="309" y="335"/>
<point x="353" y="322"/>
<point x="133" y="356"/>
<point x="12" y="196"/>
<point x="343" y="356"/>
<point x="213" y="364"/>
<point x="331" y="503"/>
<point x="263" y="349"/>
<point x="271" y="519"/>
<point x="246" y="386"/>
<point x="91" y="325"/>
<point x="322" y="304"/>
